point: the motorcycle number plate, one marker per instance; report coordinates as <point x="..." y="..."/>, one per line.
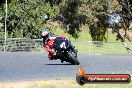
<point x="63" y="45"/>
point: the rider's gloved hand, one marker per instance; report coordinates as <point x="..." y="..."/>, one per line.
<point x="52" y="51"/>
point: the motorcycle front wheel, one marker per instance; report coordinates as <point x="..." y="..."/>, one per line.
<point x="73" y="58"/>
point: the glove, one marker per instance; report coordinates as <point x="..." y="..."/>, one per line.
<point x="52" y="51"/>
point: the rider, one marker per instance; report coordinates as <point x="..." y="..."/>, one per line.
<point x="48" y="43"/>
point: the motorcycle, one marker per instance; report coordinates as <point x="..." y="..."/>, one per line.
<point x="65" y="51"/>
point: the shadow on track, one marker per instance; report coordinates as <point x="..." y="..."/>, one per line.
<point x="59" y="64"/>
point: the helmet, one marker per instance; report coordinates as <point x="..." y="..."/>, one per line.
<point x="45" y="35"/>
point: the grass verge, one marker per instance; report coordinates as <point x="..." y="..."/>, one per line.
<point x="105" y="48"/>
<point x="60" y="83"/>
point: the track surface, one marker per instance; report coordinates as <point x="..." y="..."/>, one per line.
<point x="34" y="65"/>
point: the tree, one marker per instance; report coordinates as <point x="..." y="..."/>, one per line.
<point x="95" y="11"/>
<point x="70" y="17"/>
<point x="25" y="18"/>
<point x="53" y="2"/>
<point x="126" y="18"/>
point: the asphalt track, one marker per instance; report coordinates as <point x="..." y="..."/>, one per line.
<point x="17" y="66"/>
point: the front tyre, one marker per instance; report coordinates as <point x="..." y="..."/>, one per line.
<point x="73" y="59"/>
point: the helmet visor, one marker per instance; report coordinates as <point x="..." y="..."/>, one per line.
<point x="45" y="38"/>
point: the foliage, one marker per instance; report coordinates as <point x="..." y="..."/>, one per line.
<point x="70" y="17"/>
<point x="126" y="19"/>
<point x="53" y="2"/>
<point x="27" y="17"/>
<point x="97" y="17"/>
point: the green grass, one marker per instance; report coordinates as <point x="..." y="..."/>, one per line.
<point x="88" y="47"/>
<point x="105" y="48"/>
<point x="84" y="36"/>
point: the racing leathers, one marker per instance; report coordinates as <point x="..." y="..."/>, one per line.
<point x="49" y="47"/>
